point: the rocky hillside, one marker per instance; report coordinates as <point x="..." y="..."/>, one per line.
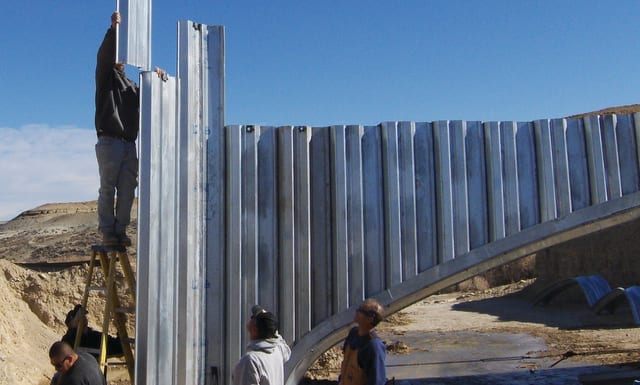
<point x="54" y="233"/>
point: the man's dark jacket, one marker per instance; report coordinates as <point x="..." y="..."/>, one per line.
<point x="117" y="97"/>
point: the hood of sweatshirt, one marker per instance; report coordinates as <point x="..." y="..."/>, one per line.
<point x="270" y="345"/>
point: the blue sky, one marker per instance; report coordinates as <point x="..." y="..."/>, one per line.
<point x="294" y="62"/>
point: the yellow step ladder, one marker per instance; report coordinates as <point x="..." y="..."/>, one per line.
<point x="108" y="257"/>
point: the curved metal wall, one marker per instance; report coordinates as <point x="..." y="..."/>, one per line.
<point x="309" y="221"/>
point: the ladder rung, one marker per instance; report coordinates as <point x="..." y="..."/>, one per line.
<point x="125" y="310"/>
<point x="97" y="288"/>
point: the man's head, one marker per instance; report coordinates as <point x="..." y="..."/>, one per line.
<point x="119" y="66"/>
<point x="370" y="313"/>
<point x="263" y="324"/>
<point x="62" y="356"/>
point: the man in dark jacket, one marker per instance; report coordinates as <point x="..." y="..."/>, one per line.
<point x="90" y="339"/>
<point x="117" y="123"/>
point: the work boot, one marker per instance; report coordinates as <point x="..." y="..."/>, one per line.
<point x="110" y="239"/>
<point x="124" y="240"/>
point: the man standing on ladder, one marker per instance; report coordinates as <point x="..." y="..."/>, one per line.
<point x="117" y="121"/>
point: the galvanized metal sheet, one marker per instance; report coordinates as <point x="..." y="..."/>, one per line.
<point x="355" y="239"/>
<point x="426" y="224"/>
<point x="527" y="175"/>
<point x="458" y="132"/>
<point x="134" y="33"/>
<point x="510" y="167"/>
<point x="302" y="212"/>
<point x="267" y="196"/>
<point x="627" y="155"/>
<point x="546" y="177"/>
<point x="391" y="199"/>
<point x="214" y="352"/>
<point x="578" y="164"/>
<point x="155" y="323"/>
<point x="444" y="192"/>
<point x="235" y="314"/>
<point x="320" y="225"/>
<point x="373" y="210"/>
<point x="286" y="224"/>
<point x="610" y="142"/>
<point x="561" y="166"/>
<point x="595" y="157"/>
<point x="407" y="177"/>
<point x="495" y="181"/>
<point x="249" y="277"/>
<point x="477" y="185"/>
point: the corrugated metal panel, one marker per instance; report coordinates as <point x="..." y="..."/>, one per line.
<point x="134" y="33"/>
<point x="302" y="235"/>
<point x="561" y="166"/>
<point x="372" y="210"/>
<point x="459" y="186"/>
<point x="595" y="158"/>
<point x="529" y="202"/>
<point x="477" y="181"/>
<point x="495" y="181"/>
<point x="444" y="191"/>
<point x="426" y="215"/>
<point x="511" y="193"/>
<point x="578" y="165"/>
<point x="546" y="177"/>
<point x="627" y="155"/>
<point x="155" y="321"/>
<point x="391" y="198"/>
<point x="614" y="184"/>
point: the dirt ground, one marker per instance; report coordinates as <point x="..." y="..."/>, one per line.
<point x="565" y="327"/>
<point x="468" y="328"/>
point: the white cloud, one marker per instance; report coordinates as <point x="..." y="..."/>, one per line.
<point x="41" y="164"/>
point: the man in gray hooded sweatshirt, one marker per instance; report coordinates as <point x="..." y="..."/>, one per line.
<point x="263" y="363"/>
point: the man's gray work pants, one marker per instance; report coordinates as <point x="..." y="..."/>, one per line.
<point x="118" y="167"/>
